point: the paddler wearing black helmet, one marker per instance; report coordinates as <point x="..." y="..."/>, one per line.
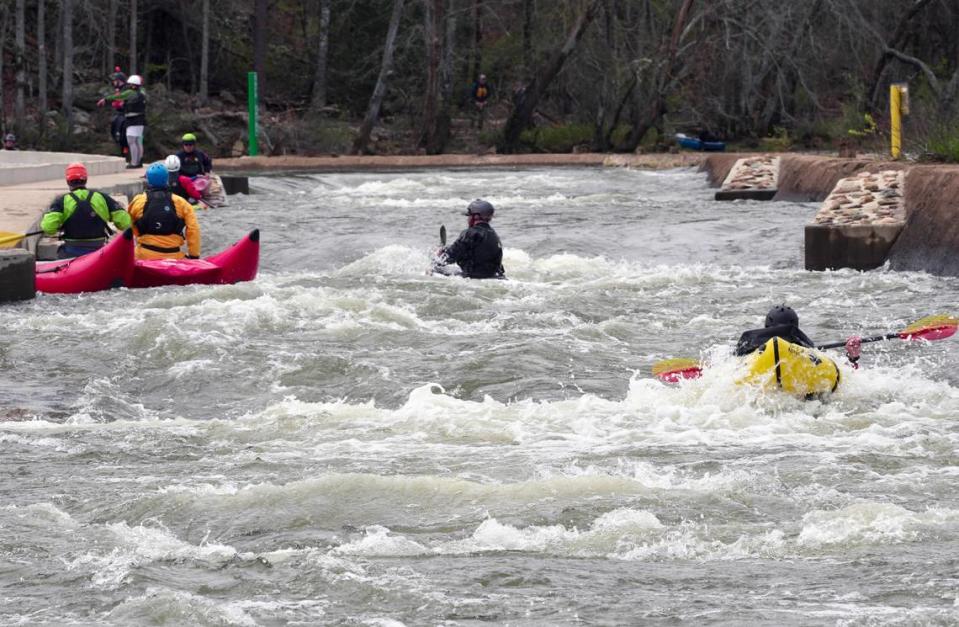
<point x="783" y="322"/>
<point x="477" y="251"/>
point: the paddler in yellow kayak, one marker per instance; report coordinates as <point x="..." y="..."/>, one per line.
<point x="783" y="322"/>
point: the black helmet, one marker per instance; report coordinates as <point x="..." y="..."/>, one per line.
<point x="780" y="315"/>
<point x="481" y="208"/>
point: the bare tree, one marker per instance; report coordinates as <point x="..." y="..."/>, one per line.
<point x="133" y="36"/>
<point x="111" y="35"/>
<point x="379" y="92"/>
<point x="645" y="117"/>
<point x="205" y="56"/>
<point x="66" y="8"/>
<point x="20" y="65"/>
<point x="42" y="62"/>
<point x="322" y="52"/>
<point x="529" y="96"/>
<point x="435" y="13"/>
<point x="259" y="42"/>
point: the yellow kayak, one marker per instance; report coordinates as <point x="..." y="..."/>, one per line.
<point x="797" y="370"/>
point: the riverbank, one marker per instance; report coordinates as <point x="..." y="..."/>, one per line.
<point x="278" y="165"/>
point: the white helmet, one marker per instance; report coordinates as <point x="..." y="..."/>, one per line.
<point x="135" y="79"/>
<point x="172" y="163"/>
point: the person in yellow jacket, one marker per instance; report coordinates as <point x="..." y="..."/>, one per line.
<point x="82" y="216"/>
<point x="163" y="221"/>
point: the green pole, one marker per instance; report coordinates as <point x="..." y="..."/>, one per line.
<point x="252" y="103"/>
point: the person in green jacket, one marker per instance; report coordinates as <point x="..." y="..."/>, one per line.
<point x="82" y="216"/>
<point x="135" y="111"/>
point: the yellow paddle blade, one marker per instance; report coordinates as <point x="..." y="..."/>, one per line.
<point x="674" y="365"/>
<point x="8" y="239"/>
<point x="675" y="370"/>
<point x="940" y="320"/>
<point x="936" y="327"/>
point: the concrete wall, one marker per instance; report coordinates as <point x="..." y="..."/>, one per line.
<point x="930" y="240"/>
<point x="17" y="275"/>
<point x="26" y="166"/>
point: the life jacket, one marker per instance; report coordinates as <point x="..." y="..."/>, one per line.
<point x="136" y="108"/>
<point x="190" y="164"/>
<point x="84" y="222"/>
<point x="160" y="216"/>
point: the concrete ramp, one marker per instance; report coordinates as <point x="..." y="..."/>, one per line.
<point x="752" y="178"/>
<point x="858" y="223"/>
<point x="26" y="166"/>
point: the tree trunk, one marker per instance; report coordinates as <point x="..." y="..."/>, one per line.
<point x="3" y="45"/>
<point x="67" y="8"/>
<point x="476" y="51"/>
<point x="20" y="65"/>
<point x="902" y="29"/>
<point x="646" y="117"/>
<point x="434" y="19"/>
<point x="322" y="52"/>
<point x="441" y="130"/>
<point x="133" y="36"/>
<point x="111" y="36"/>
<point x="379" y="92"/>
<point x="528" y="10"/>
<point x="526" y="101"/>
<point x="259" y="44"/>
<point x="42" y="62"/>
<point x="205" y="56"/>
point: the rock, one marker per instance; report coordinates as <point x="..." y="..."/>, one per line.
<point x="238" y="149"/>
<point x="227" y="97"/>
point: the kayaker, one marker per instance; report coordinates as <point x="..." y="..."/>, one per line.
<point x="783" y="322"/>
<point x="134" y="109"/>
<point x="478" y="251"/>
<point x="82" y="216"/>
<point x="162" y="221"/>
<point x="193" y="161"/>
<point x="182" y="185"/>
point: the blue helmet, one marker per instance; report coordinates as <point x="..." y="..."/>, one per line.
<point x="158" y="175"/>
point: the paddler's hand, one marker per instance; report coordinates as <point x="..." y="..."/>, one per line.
<point x="853" y="349"/>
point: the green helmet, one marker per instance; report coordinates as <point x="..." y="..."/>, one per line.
<point x="189" y="137"/>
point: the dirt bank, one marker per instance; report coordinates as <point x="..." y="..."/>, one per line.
<point x="257" y="165"/>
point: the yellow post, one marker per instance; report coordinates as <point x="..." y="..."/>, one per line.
<point x="895" y="114"/>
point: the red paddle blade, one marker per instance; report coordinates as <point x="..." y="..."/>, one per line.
<point x="931" y="328"/>
<point x="676" y="370"/>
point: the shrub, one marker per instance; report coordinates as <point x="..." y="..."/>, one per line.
<point x="557" y="138"/>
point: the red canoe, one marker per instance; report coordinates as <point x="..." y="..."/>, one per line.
<point x="114" y="266"/>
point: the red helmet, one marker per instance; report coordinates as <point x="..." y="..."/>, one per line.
<point x="76" y="172"/>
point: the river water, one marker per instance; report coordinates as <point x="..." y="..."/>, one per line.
<point x="348" y="441"/>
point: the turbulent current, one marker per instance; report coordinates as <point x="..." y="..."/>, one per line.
<point x="348" y="441"/>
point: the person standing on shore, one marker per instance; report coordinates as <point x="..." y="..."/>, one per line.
<point x="82" y="216"/>
<point x="118" y="126"/>
<point x="135" y="110"/>
<point x="480" y="94"/>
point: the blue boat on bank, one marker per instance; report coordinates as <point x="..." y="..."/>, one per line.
<point x="694" y="143"/>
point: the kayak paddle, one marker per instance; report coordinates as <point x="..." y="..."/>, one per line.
<point x="677" y="369"/>
<point x="930" y="328"/>
<point x="13" y="238"/>
<point x="443" y="235"/>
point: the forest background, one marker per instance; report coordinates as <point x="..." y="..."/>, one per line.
<point x="394" y="76"/>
